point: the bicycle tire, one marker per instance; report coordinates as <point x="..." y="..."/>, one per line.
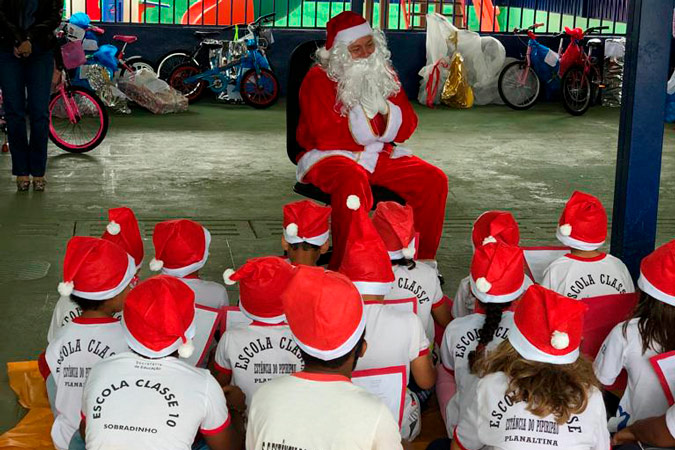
<point x="576" y="91"/>
<point x="137" y="63"/>
<point x="257" y="97"/>
<point x="192" y="92"/>
<point x="103" y="121"/>
<point x="170" y="61"/>
<point x="506" y="88"/>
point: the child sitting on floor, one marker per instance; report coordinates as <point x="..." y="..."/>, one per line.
<point x="122" y="229"/>
<point x="97" y="276"/>
<point x="585" y="271"/>
<point x="490" y="227"/>
<point x="250" y="355"/>
<point x="306" y="232"/>
<point x="633" y="343"/>
<point x="417" y="280"/>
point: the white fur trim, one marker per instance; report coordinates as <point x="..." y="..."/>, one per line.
<point x="113" y="228"/>
<point x="372" y="287"/>
<point x="394" y="121"/>
<point x="65" y="288"/>
<point x="186" y="350"/>
<point x="227" y="277"/>
<point x="156" y="264"/>
<point x="351" y="34"/>
<point x="367" y="161"/>
<point x="575" y="243"/>
<point x="650" y="289"/>
<point x="399" y="254"/>
<point x="314" y="240"/>
<point x="560" y="340"/>
<point x="528" y="351"/>
<point x="483" y="285"/>
<point x="138" y="347"/>
<point x="110" y="293"/>
<point x="353" y="202"/>
<point x="565" y="229"/>
<point x="180" y="272"/>
<point x="341" y="350"/>
<point x="292" y="229"/>
<point x="408" y="253"/>
<point x="360" y="128"/>
<point x="504" y="298"/>
<point x="271" y="320"/>
<point x="489" y="240"/>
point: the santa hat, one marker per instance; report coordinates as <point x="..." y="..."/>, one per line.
<point x="324" y="312"/>
<point x="657" y="274"/>
<point x="346" y="27"/>
<point x="261" y="283"/>
<point x="305" y="221"/>
<point x="159" y="317"/>
<point x="366" y="261"/>
<point x="583" y="222"/>
<point x="95" y="269"/>
<point x="547" y="326"/>
<point x="394" y="222"/>
<point x="122" y="229"/>
<point x="497" y="274"/>
<point x="495" y="226"/>
<point x="181" y="247"/>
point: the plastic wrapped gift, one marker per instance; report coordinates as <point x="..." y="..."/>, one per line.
<point x="99" y="80"/>
<point x="615" y="50"/>
<point x="457" y="92"/>
<point x="153" y="94"/>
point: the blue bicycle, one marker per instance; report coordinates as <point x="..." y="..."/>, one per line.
<point x="237" y="70"/>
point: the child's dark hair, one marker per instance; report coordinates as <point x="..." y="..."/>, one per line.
<point x="409" y="263"/>
<point x="333" y="363"/>
<point x="656" y="323"/>
<point x="306" y="246"/>
<point x="493" y="317"/>
<point x="86" y="304"/>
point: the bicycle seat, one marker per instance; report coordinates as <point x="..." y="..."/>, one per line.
<point x="595" y="42"/>
<point x="203" y="34"/>
<point x="125" y="39"/>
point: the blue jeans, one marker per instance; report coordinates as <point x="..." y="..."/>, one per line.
<point x="32" y="75"/>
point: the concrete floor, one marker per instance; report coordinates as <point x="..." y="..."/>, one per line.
<point x="227" y="167"/>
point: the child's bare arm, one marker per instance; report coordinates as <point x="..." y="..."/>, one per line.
<point x="423" y="371"/>
<point x="441" y="315"/>
<point x="231" y="438"/>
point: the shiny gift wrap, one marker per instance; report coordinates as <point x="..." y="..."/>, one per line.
<point x="456" y="91"/>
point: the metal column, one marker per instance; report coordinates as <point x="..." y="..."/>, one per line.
<point x="638" y="165"/>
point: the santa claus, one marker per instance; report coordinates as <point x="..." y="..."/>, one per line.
<point x="353" y="115"/>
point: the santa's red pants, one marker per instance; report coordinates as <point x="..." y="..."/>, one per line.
<point x="422" y="186"/>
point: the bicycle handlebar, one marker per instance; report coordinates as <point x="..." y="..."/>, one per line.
<point x="530" y="28"/>
<point x="592" y="30"/>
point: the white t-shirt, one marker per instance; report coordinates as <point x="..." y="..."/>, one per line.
<point x="461" y="338"/>
<point x="643" y="396"/>
<point x="464" y="302"/>
<point x="208" y="293"/>
<point x="493" y="422"/>
<point x="670" y="420"/>
<point x="131" y="402"/>
<point x="254" y="354"/>
<point x="395" y="338"/>
<point x="70" y="356"/>
<point x="579" y="278"/>
<point x="319" y="411"/>
<point x="65" y="311"/>
<point x="423" y="284"/>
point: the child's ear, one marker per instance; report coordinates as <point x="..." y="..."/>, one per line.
<point x="364" y="347"/>
<point x="324" y="248"/>
<point x="284" y="244"/>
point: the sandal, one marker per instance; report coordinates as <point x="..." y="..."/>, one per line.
<point x="22" y="184"/>
<point x="39" y="184"/>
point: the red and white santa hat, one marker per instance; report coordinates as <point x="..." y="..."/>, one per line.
<point x="583" y="222"/>
<point x="324" y="312"/>
<point x="159" y="317"/>
<point x="547" y="326"/>
<point x="261" y="283"/>
<point x="495" y="226"/>
<point x="396" y="226"/>
<point x="346" y="27"/>
<point x="181" y="247"/>
<point x="497" y="274"/>
<point x="123" y="230"/>
<point x="366" y="261"/>
<point x="305" y="221"/>
<point x="657" y="274"/>
<point x="95" y="269"/>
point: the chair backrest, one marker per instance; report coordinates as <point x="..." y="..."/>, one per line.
<point x="603" y="314"/>
<point x="300" y="62"/>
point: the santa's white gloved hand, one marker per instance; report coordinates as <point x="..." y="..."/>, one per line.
<point x="373" y="102"/>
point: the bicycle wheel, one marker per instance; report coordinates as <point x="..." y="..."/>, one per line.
<point x="170" y="62"/>
<point x="78" y="120"/>
<point x="519" y="85"/>
<point x="177" y="81"/>
<point x="137" y="63"/>
<point x="260" y="91"/>
<point x="576" y="91"/>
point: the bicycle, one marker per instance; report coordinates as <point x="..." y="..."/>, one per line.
<point x="133" y="63"/>
<point x="246" y="72"/>
<point x="581" y="72"/>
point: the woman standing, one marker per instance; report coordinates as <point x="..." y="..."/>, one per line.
<point x="26" y="66"/>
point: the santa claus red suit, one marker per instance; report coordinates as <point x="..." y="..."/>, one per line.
<point x="353" y="113"/>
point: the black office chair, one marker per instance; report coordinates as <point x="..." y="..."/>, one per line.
<point x="300" y="63"/>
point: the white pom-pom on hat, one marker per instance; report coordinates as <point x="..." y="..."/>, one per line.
<point x="292" y="229"/>
<point x="566" y="229"/>
<point x="113" y="228"/>
<point x="185" y="350"/>
<point x="560" y="340"/>
<point x="156" y="264"/>
<point x="489" y="240"/>
<point x="65" y="288"/>
<point x="408" y="252"/>
<point x="483" y="285"/>
<point x="323" y="54"/>
<point x="227" y="277"/>
<point x="353" y="202"/>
